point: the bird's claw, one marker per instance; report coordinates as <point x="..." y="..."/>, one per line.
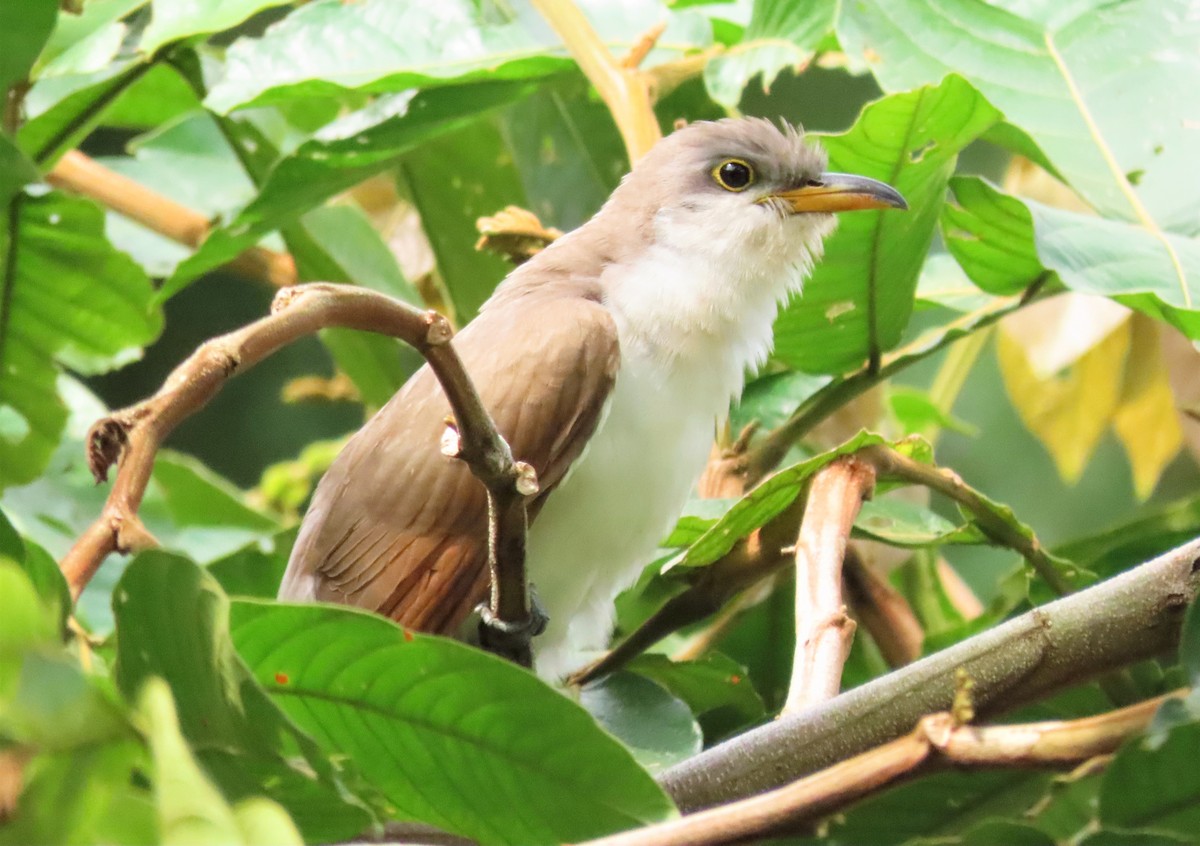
<point x="511" y="639"/>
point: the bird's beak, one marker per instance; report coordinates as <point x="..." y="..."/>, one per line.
<point x="839" y="192"/>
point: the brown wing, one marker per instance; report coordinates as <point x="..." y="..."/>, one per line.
<point x="397" y="527"/>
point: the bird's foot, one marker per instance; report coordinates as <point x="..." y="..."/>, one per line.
<point x="512" y="639"/>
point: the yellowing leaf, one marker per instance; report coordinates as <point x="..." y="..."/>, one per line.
<point x="1068" y="412"/>
<point x="1145" y="419"/>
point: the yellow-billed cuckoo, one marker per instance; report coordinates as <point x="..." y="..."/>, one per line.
<point x="605" y="362"/>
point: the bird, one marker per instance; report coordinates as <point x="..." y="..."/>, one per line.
<point x="606" y="361"/>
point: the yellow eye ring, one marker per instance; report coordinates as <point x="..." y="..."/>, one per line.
<point x="734" y="175"/>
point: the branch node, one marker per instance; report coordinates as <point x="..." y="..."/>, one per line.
<point x="642" y="47"/>
<point x="438" y="330"/>
<point x="131" y="534"/>
<point x="526" y="481"/>
<point x="286" y="298"/>
<point x="451" y="444"/>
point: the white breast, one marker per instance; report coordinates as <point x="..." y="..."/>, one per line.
<point x="687" y="337"/>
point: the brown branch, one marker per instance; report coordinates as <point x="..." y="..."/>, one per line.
<point x="823" y="629"/>
<point x="938" y="742"/>
<point x="625" y="90"/>
<point x="133" y="435"/>
<point x="882" y="611"/>
<point x="1129" y="618"/>
<point x="76" y="172"/>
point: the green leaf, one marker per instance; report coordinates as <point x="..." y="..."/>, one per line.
<point x="706" y="684"/>
<point x="1116" y="549"/>
<point x="173" y="20"/>
<point x="253" y="570"/>
<point x="64" y="110"/>
<point x="24" y="28"/>
<point x="1138" y="837"/>
<point x="1008" y="832"/>
<point x="1054" y="80"/>
<point x="1156" y="273"/>
<point x="11" y="545"/>
<point x="990" y="235"/>
<point x="781" y="34"/>
<point x="943" y="284"/>
<point x="907" y="524"/>
<point x="341" y="156"/>
<point x="939" y="806"/>
<point x="453" y="182"/>
<point x="699" y="515"/>
<point x="402" y="46"/>
<point x="56" y="508"/>
<point x="770" y="400"/>
<point x="1189" y="646"/>
<point x="92" y="794"/>
<point x="190" y="808"/>
<point x="40" y="567"/>
<point x="656" y="726"/>
<point x="196" y="496"/>
<point x="1153" y="783"/>
<point x="86" y="42"/>
<point x="916" y="413"/>
<point x="172" y="622"/>
<point x="566" y="150"/>
<point x="16" y="170"/>
<point x="26" y="621"/>
<point x="156" y="97"/>
<point x="346" y="236"/>
<point x="54" y="707"/>
<point x="338" y="244"/>
<point x="68" y="298"/>
<point x="860" y="296"/>
<point x="1002" y="242"/>
<point x="767" y="500"/>
<point x="424" y="718"/>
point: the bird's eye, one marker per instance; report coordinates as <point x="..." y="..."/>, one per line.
<point x="733" y="175"/>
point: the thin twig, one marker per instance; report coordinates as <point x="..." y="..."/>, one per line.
<point x="765" y="455"/>
<point x="996" y="525"/>
<point x="625" y="90"/>
<point x="1128" y="618"/>
<point x="76" y="172"/>
<point x="823" y="628"/>
<point x="939" y="741"/>
<point x="133" y="435"/>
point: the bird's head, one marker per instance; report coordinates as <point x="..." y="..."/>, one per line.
<point x="746" y="187"/>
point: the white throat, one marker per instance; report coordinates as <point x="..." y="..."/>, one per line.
<point x="693" y="315"/>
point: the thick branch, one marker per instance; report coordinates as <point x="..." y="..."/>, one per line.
<point x="76" y="172"/>
<point x="823" y="629"/>
<point x="1133" y="616"/>
<point x="622" y="87"/>
<point x="134" y="435"/>
<point x="937" y="742"/>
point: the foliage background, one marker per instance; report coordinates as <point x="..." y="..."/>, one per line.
<point x="369" y="164"/>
